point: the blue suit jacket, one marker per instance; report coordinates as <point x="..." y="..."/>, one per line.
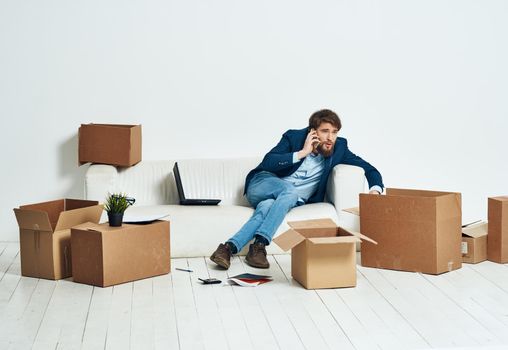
<point x="279" y="161"/>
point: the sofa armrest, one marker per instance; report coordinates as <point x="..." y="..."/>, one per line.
<point x="99" y="180"/>
<point x="345" y="184"/>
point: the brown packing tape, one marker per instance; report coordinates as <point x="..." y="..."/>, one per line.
<point x="67" y="269"/>
<point x="37" y="238"/>
<point x="37" y="247"/>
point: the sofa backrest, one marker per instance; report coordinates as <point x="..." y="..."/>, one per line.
<point x="217" y="178"/>
<point x="153" y="182"/>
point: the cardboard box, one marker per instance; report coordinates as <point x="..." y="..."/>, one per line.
<point x="417" y="231"/>
<point x="104" y="256"/>
<point x="323" y="255"/>
<point x="45" y="236"/>
<point x="474" y="242"/>
<point x="118" y="145"/>
<point x="497" y="239"/>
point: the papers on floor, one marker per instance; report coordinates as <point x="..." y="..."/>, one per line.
<point x="249" y="279"/>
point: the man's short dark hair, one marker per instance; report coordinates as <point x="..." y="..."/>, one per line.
<point x="324" y="116"/>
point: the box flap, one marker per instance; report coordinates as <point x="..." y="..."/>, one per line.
<point x="33" y="219"/>
<point x="476" y="230"/>
<point x="127" y="126"/>
<point x="53" y="208"/>
<point x="334" y="240"/>
<point x="354" y="211"/>
<point x="74" y="217"/>
<point x="315" y="223"/>
<point x="288" y="239"/>
<point x="71" y="204"/>
<point x="500" y="198"/>
<point x="415" y="193"/>
<point x="472" y="223"/>
<point x="88" y="226"/>
<point x="355" y="234"/>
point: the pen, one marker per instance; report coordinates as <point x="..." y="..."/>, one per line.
<point x="177" y="268"/>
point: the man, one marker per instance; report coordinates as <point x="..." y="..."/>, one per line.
<point x="293" y="173"/>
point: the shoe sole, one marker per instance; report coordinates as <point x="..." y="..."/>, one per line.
<point x="221" y="262"/>
<point x="256" y="265"/>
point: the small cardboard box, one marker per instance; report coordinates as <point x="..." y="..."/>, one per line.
<point x="45" y="235"/>
<point x="104" y="256"/>
<point x="417" y="231"/>
<point x="474" y="242"/>
<point x="323" y="255"/>
<point x="112" y="144"/>
<point x="497" y="239"/>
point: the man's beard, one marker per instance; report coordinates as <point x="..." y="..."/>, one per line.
<point x="325" y="152"/>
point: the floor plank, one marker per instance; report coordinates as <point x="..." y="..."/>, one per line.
<point x="96" y="327"/>
<point x="9" y="281"/>
<point x="119" y="325"/>
<point x="190" y="334"/>
<point x="7" y="258"/>
<point x="165" y="324"/>
<point x="65" y="316"/>
<point x="26" y="327"/>
<point x="462" y="309"/>
<point x="331" y="331"/>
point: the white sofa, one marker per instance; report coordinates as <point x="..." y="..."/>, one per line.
<point x="197" y="230"/>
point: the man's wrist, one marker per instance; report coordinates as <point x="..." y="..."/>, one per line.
<point x="302" y="154"/>
<point x="376" y="188"/>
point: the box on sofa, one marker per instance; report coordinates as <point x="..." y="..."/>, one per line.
<point x="110" y="144"/>
<point x="45" y="236"/>
<point x="104" y="256"/>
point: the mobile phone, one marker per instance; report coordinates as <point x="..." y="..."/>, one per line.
<point x="317" y="142"/>
<point x="210" y="280"/>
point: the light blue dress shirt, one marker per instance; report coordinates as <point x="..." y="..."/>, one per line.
<point x="306" y="177"/>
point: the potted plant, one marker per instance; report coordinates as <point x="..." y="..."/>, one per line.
<point x="115" y="206"/>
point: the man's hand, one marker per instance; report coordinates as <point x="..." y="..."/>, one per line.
<point x="374" y="192"/>
<point x="311" y="140"/>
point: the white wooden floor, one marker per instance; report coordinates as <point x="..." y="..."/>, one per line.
<point x="467" y="308"/>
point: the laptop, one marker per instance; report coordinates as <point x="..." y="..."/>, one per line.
<point x="181" y="194"/>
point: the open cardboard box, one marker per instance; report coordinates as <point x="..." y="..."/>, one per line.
<point x="497" y="239"/>
<point x="323" y="255"/>
<point x="112" y="144"/>
<point x="45" y="235"/>
<point x="105" y="256"/>
<point x="474" y="242"/>
<point x="416" y="230"/>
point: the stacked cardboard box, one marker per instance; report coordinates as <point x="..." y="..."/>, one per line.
<point x="118" y="145"/>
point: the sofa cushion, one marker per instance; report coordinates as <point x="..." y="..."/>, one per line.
<point x="201" y="228"/>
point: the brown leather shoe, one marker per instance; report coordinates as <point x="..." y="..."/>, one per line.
<point x="257" y="256"/>
<point x="222" y="256"/>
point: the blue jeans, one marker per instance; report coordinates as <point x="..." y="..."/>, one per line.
<point x="273" y="198"/>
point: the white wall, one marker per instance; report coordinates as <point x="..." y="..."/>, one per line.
<point x="421" y="86"/>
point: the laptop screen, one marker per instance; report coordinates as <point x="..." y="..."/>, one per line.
<point x="178" y="181"/>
